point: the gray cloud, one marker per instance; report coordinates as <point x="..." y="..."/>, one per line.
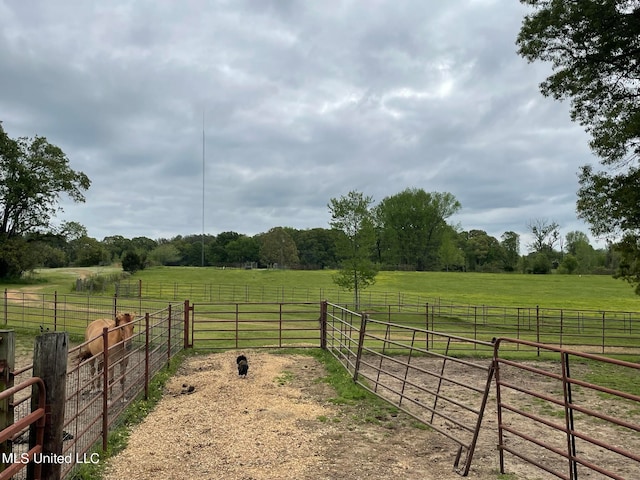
<point x="302" y="102"/>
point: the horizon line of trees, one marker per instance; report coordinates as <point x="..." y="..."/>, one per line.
<point x="318" y="248"/>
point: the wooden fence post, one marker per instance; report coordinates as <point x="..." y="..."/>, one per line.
<point x="7" y="356"/>
<point x="50" y="364"/>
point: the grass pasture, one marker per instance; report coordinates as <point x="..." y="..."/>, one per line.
<point x="477" y="306"/>
<point x="471" y="305"/>
<point x="586" y="292"/>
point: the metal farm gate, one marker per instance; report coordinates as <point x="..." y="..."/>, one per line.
<point x="576" y="426"/>
<point x="216" y="326"/>
<point x="416" y="370"/>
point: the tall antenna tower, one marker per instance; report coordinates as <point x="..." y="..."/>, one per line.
<point x="203" y="188"/>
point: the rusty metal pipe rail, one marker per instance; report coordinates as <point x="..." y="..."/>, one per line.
<point x="36" y="417"/>
<point x="578" y="408"/>
<point x="423" y="389"/>
<point x="559" y="452"/>
<point x="417" y="417"/>
<point x="357" y="339"/>
<point x="429" y="409"/>
<point x="429" y="373"/>
<point x="431" y="354"/>
<point x="569" y="451"/>
<point x="431" y="332"/>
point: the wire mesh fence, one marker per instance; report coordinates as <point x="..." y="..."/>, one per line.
<point x="91" y="411"/>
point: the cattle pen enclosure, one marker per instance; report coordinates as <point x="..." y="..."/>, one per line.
<point x="444" y="380"/>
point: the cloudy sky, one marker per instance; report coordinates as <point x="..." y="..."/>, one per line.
<point x="299" y="101"/>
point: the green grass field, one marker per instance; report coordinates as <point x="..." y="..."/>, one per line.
<point x="587" y="292"/>
<point x="468" y="292"/>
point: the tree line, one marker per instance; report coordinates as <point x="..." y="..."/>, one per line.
<point x="446" y="249"/>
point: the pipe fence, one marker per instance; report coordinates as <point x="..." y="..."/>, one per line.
<point x="396" y="362"/>
<point x="592" y="331"/>
<point x="219" y="293"/>
<point x="216" y="326"/>
<point x="588" y="419"/>
<point x="436" y="363"/>
<point x="579" y="426"/>
<point x="67" y="312"/>
<point x="94" y="404"/>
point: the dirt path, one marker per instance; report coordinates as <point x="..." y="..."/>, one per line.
<point x="278" y="423"/>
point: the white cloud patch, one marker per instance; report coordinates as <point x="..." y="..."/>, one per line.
<point x="302" y="102"/>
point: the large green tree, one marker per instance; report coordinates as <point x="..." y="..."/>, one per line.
<point x="412" y="224"/>
<point x="594" y="49"/>
<point x="578" y="247"/>
<point x="218" y="247"/>
<point x="116" y="245"/>
<point x="510" y="250"/>
<point x="88" y="251"/>
<point x="482" y="251"/>
<point x="352" y="216"/>
<point x="33" y="176"/>
<point x="277" y="248"/>
<point x="450" y="254"/>
<point x="317" y="247"/>
<point x="243" y="249"/>
<point x="165" y="254"/>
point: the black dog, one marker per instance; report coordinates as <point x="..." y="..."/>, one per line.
<point x="243" y="366"/>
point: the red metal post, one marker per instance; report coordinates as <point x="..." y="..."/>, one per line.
<point x="237" y="323"/>
<point x="105" y="388"/>
<point x="280" y="327"/>
<point x="363" y="328"/>
<point x="186" y="324"/>
<point x="169" y="336"/>
<point x="323" y="324"/>
<point x="146" y="356"/>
